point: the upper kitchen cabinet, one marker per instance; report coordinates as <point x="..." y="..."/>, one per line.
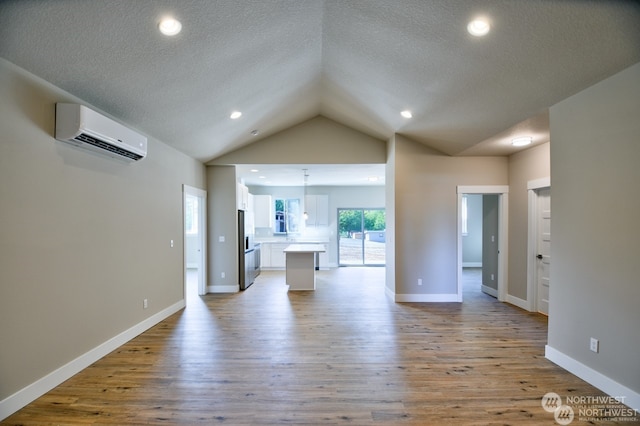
<point x="242" y="197"/>
<point x="317" y="208"/>
<point x="263" y="208"/>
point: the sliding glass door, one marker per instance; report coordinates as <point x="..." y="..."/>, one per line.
<point x="361" y="237"/>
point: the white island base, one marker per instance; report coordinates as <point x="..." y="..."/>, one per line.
<point x="301" y="265"/>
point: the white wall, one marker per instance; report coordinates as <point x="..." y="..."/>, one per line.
<point x="83" y="239"/>
<point x="595" y="149"/>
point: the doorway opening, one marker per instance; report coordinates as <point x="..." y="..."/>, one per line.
<point x="194" y="214"/>
<point x="487" y="247"/>
<point x="361" y="237"/>
<point x="480" y="235"/>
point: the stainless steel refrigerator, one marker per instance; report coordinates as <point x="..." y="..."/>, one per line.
<point x="247" y="270"/>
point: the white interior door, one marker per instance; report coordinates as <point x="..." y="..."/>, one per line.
<point x="543" y="248"/>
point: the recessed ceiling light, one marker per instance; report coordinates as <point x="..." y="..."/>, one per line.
<point x="523" y="141"/>
<point x="235" y="114"/>
<point x="254" y="170"/>
<point x="170" y="26"/>
<point x="262" y="177"/>
<point x="372" y="178"/>
<point x="479" y="27"/>
<point x="406" y="113"/>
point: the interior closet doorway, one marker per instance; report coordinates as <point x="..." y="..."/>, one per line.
<point x="493" y="236"/>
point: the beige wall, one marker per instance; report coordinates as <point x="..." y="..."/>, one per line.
<point x="527" y="165"/>
<point x="83" y="239"/>
<point x="425" y="219"/>
<point x="595" y="149"/>
<point x="316" y="141"/>
<point x="222" y="219"/>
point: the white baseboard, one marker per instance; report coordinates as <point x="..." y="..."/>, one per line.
<point x="490" y="291"/>
<point x="472" y="264"/>
<point x="223" y="289"/>
<point x="593" y="377"/>
<point x="41" y="386"/>
<point x="426" y="297"/>
<point x="520" y="303"/>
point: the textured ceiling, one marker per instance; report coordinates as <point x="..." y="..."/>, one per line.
<point x="357" y="62"/>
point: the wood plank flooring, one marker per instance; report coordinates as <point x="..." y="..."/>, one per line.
<point x="343" y="354"/>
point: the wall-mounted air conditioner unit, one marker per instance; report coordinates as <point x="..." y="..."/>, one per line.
<point x="85" y="128"/>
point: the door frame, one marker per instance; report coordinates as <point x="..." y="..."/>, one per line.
<point x="532" y="240"/>
<point x="503" y="229"/>
<point x="202" y="224"/>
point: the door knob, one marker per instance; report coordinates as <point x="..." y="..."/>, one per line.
<point x="539" y="256"/>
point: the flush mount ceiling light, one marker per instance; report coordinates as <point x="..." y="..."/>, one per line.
<point x="479" y="27"/>
<point x="235" y="115"/>
<point x="523" y="141"/>
<point x="406" y="113"/>
<point x="170" y="26"/>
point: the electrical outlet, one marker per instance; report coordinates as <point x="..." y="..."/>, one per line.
<point x="419" y="281"/>
<point x="222" y="274"/>
<point x="145" y="303"/>
<point x="171" y="243"/>
<point x="493" y="278"/>
<point x="221" y="239"/>
<point x="594" y="345"/>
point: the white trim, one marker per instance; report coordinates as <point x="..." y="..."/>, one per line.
<point x="472" y="264"/>
<point x="223" y="288"/>
<point x="593" y="377"/>
<point x="544" y="182"/>
<point x="490" y="291"/>
<point x="482" y="189"/>
<point x="24" y="396"/>
<point x="503" y="233"/>
<point x="390" y="293"/>
<point x="520" y="303"/>
<point x="427" y="297"/>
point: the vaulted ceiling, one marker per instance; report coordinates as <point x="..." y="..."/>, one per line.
<point x="358" y="62"/>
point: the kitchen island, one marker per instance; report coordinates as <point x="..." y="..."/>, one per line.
<point x="301" y="265"/>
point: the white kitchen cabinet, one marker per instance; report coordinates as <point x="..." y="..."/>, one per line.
<point x="263" y="207"/>
<point x="242" y="196"/>
<point x="278" y="259"/>
<point x="265" y="255"/>
<point x="317" y="208"/>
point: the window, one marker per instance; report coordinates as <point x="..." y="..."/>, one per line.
<point x="465" y="229"/>
<point x="191" y="215"/>
<point x="287" y="215"/>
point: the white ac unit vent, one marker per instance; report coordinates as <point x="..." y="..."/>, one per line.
<point x="87" y="129"/>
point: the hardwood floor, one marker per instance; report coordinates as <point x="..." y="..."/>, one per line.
<point x="343" y="354"/>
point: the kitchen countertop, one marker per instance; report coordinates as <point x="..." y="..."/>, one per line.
<point x="292" y="241"/>
<point x="305" y="248"/>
